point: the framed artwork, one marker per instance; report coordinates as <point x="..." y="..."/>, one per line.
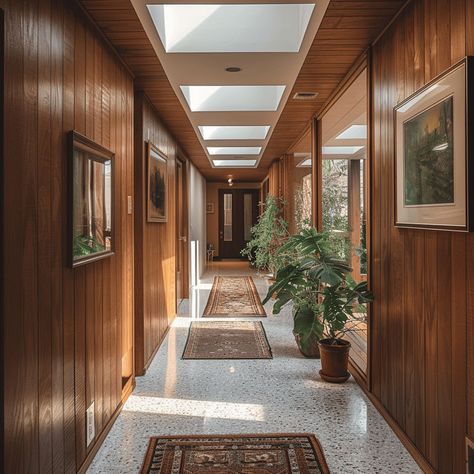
<point x="433" y="153"/>
<point x="91" y="201"/>
<point x="210" y="208"/>
<point x="157" y="185"/>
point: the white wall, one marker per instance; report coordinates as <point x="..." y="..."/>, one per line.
<point x="197" y="223"/>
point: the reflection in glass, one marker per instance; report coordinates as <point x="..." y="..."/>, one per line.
<point x="247" y="216"/>
<point x="300" y="207"/>
<point x="344" y="194"/>
<point x="92" y="205"/>
<point x="227" y="217"/>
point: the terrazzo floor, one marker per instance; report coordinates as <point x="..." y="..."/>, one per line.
<point x="284" y="394"/>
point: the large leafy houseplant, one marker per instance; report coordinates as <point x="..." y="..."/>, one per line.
<point x="268" y="235"/>
<point x="318" y="283"/>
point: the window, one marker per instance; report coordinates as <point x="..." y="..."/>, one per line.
<point x="300" y="172"/>
<point x="344" y="192"/>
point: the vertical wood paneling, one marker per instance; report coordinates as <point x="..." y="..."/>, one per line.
<point x="421" y="358"/>
<point x="63" y="347"/>
<point x="155" y="243"/>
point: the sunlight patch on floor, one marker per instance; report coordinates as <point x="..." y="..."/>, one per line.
<point x="195" y="408"/>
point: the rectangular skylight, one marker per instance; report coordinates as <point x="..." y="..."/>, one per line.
<point x="231" y="28"/>
<point x="354" y="132"/>
<point x="234" y="150"/>
<point x="234" y="132"/>
<point x="341" y="150"/>
<point x="234" y="163"/>
<point x="232" y="98"/>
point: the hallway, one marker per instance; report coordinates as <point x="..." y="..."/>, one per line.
<point x="284" y="394"/>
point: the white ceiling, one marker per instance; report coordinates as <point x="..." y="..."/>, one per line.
<point x="257" y="68"/>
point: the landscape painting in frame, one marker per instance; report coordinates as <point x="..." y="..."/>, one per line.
<point x="432" y="154"/>
<point x="429" y="161"/>
<point x="157" y="185"/>
<point x="91" y="201"/>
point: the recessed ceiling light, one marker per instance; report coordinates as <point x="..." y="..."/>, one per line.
<point x="232" y="98"/>
<point x="234" y="150"/>
<point x="234" y="163"/>
<point x="233" y="69"/>
<point x="234" y="132"/>
<point x="341" y="150"/>
<point x="354" y="132"/>
<point x="231" y="28"/>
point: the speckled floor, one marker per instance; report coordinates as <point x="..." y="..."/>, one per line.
<point x="284" y="394"/>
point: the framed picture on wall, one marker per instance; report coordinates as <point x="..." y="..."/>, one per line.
<point x="157" y="185"/>
<point x="91" y="201"/>
<point x="210" y="208"/>
<point x="434" y="155"/>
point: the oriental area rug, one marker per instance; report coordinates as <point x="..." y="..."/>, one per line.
<point x="227" y="340"/>
<point x="234" y="296"/>
<point x="243" y="454"/>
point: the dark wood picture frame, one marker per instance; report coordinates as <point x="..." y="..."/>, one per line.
<point x="97" y="153"/>
<point x="468" y="225"/>
<point x="159" y="156"/>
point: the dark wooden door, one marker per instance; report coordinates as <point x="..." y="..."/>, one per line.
<point x="238" y="211"/>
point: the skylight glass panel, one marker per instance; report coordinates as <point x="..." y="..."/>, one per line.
<point x="234" y="150"/>
<point x="232" y="98"/>
<point x="341" y="150"/>
<point x="234" y="163"/>
<point x="354" y="132"/>
<point x="230" y="28"/>
<point x="234" y="132"/>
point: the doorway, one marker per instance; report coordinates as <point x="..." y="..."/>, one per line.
<point x="181" y="231"/>
<point x="238" y="212"/>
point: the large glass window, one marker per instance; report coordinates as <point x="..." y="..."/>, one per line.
<point x="300" y="172"/>
<point x="344" y="192"/>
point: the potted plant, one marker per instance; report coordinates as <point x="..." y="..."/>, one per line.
<point x="338" y="302"/>
<point x="268" y="235"/>
<point x="324" y="297"/>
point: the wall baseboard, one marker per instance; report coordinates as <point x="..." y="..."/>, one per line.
<point x="150" y="360"/>
<point x="422" y="462"/>
<point x="126" y="392"/>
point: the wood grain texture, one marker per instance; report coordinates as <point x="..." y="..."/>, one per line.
<point x="63" y="347"/>
<point x="346" y="31"/>
<point x="155" y="243"/>
<point x="422" y="362"/>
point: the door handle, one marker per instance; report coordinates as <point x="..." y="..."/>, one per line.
<point x="183" y="238"/>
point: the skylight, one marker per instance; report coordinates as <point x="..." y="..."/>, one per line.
<point x="234" y="132"/>
<point x="234" y="163"/>
<point x="230" y="28"/>
<point x="232" y="98"/>
<point x="234" y="150"/>
<point x="354" y="132"/>
<point x="341" y="150"/>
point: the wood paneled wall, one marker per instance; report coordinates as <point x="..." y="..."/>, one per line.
<point x="423" y="280"/>
<point x="62" y="327"/>
<point x="155" y="243"/>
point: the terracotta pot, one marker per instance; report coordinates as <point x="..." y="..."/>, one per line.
<point x="311" y="352"/>
<point x="334" y="360"/>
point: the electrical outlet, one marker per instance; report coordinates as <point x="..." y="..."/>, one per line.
<point x="90" y="420"/>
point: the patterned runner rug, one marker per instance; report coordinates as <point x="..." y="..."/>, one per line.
<point x="257" y="454"/>
<point x="234" y="296"/>
<point x="227" y="340"/>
